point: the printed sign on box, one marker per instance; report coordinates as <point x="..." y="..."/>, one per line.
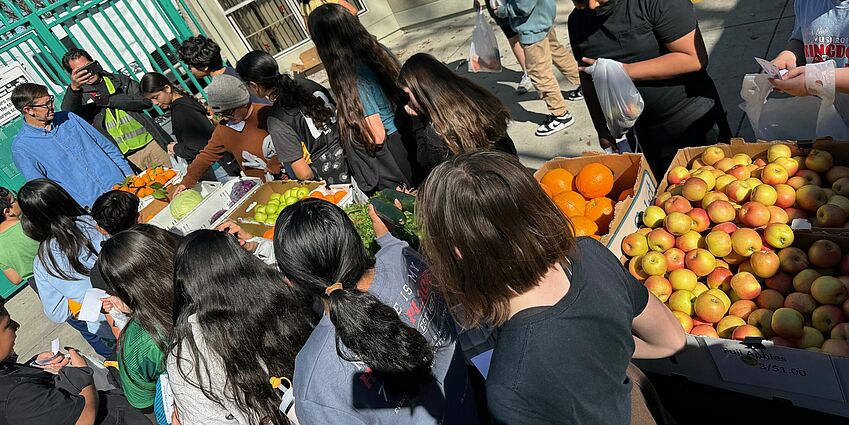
<point x="10" y="77"/>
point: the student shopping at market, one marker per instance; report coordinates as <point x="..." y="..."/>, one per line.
<point x="375" y="131"/>
<point x="663" y="52"/>
<point x="385" y="350"/>
<point x="512" y="37"/>
<point x="191" y="125"/>
<point x="569" y="316"/>
<point x="243" y="132"/>
<point x="302" y="121"/>
<point x="203" y="57"/>
<point x="68" y="247"/>
<point x="48" y="139"/>
<point x="461" y="116"/>
<point x="113" y="105"/>
<point x="19" y="250"/>
<point x="238" y="325"/>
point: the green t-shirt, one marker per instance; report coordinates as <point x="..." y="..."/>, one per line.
<point x="18" y="251"/>
<point x="140" y="363"/>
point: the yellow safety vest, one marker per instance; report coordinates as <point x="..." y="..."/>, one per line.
<point x="129" y="134"/>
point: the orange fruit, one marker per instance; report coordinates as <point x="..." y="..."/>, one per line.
<point x="594" y="181"/>
<point x="625" y="194"/>
<point x="170" y="174"/>
<point x="600" y="210"/>
<point x="338" y="195"/>
<point x="571" y="203"/>
<point x="547" y="190"/>
<point x="583" y="226"/>
<point x="558" y="180"/>
<point x="269" y="234"/>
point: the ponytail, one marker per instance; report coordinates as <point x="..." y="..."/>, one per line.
<point x="321" y="254"/>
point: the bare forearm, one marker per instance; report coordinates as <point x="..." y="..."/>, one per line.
<point x="841" y="76"/>
<point x="663" y="67"/>
<point x="646" y="350"/>
<point x="89" y="413"/>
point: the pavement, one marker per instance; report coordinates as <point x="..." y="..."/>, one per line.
<point x="735" y="31"/>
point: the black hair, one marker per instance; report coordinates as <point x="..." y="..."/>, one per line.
<point x="71" y="55"/>
<point x="202" y="53"/>
<point x="138" y="266"/>
<point x="316" y="246"/>
<point x="25" y="93"/>
<point x="248" y="316"/>
<point x="51" y="214"/>
<point x="7" y="198"/>
<point x="115" y="211"/>
<point x="261" y="68"/>
<point x="153" y="82"/>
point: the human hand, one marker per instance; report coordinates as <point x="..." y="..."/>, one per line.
<point x="56" y="361"/>
<point x="243" y="236"/>
<point x="76" y="359"/>
<point x="785" y="60"/>
<point x="410" y="111"/>
<point x="113" y="302"/>
<point x="792" y="83"/>
<point x="380" y="228"/>
<point x="171" y="147"/>
<point x="176" y="190"/>
<point x="80" y="77"/>
<point x="589" y="62"/>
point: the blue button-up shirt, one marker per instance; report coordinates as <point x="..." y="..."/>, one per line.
<point x="73" y="154"/>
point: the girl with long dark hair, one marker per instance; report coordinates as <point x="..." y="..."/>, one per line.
<point x="463" y="117"/>
<point x="237" y="324"/>
<point x="302" y="122"/>
<point x="190" y="123"/>
<point x="385" y="351"/>
<point x="137" y="267"/>
<point x="68" y="247"/>
<point x="375" y="131"/>
<point x="19" y="250"/>
<point x="502" y="251"/>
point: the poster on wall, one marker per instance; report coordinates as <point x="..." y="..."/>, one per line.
<point x="10" y="76"/>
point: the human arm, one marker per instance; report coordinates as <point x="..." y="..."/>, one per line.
<point x="289" y="148"/>
<point x="105" y="144"/>
<point x="213" y="151"/>
<point x="515" y="8"/>
<point x="794" y="82"/>
<point x="656" y="331"/>
<point x="375" y="128"/>
<point x="53" y="302"/>
<point x="89" y="393"/>
<point x="792" y="56"/>
<point x="12" y="276"/>
<point x="27" y="165"/>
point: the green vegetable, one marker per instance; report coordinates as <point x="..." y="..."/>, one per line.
<point x="362" y="222"/>
<point x="184" y="203"/>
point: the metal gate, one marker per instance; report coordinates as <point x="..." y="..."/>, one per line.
<point x="127" y="36"/>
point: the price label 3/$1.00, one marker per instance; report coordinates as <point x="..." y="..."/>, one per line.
<point x="779" y="368"/>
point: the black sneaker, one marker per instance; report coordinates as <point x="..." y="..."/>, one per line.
<point x="554" y="124"/>
<point x="575" y="95"/>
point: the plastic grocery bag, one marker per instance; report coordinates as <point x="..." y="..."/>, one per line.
<point x="619" y="98"/>
<point x="483" y="53"/>
<point x="794" y="118"/>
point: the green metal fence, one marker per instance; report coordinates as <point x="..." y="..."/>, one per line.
<point x="127" y="36"/>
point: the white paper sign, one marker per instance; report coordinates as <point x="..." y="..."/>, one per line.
<point x="780" y="368"/>
<point x="90" y="310"/>
<point x="54" y="346"/>
<point x="10" y="77"/>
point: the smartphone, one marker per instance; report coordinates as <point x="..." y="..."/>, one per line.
<point x="47" y="361"/>
<point x="94" y="67"/>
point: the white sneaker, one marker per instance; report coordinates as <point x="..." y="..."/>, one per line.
<point x="554" y="124"/>
<point x="525" y="85"/>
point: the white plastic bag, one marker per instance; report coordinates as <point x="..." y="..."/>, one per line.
<point x="619" y="98"/>
<point x="483" y="53"/>
<point x="794" y="118"/>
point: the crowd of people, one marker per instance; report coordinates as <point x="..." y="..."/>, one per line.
<point x="221" y="326"/>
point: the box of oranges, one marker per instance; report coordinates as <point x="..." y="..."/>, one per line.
<point x="600" y="194"/>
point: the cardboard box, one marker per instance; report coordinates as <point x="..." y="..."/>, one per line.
<point x="803" y="378"/>
<point x="630" y="171"/>
<point x="243" y="214"/>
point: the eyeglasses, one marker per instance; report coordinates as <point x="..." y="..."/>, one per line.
<point x="232" y="113"/>
<point x="48" y="104"/>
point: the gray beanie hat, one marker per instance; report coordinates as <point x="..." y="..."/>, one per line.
<point x="227" y="92"/>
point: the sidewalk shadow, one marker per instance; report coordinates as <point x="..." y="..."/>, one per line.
<point x="503" y="86"/>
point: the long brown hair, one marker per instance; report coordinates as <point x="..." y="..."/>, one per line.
<point x="467" y="116"/>
<point x="343" y="45"/>
<point x="489" y="232"/>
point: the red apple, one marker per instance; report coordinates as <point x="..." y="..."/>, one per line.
<point x="793" y="260"/>
<point x="700" y="261"/>
<point x="778" y="150"/>
<point x="810" y="177"/>
<point x="659" y="286"/>
<point x="745" y="266"/>
<point x="714" y="195"/>
<point x="689" y="241"/>
<point x="704" y="330"/>
<point x="634" y="245"/>
<point x="803" y="303"/>
<point x="746" y="242"/>
<point x="789" y="164"/>
<point x="788" y="323"/>
<point x="824" y="253"/>
<point x="773" y="174"/>
<point x="718" y="243"/>
<point x="785" y="196"/>
<point x="694" y="189"/>
<point x="635" y="267"/>
<point x="709" y="308"/>
<point x="661" y="199"/>
<point x="753" y="214"/>
<point x="723" y="181"/>
<point x="721" y="211"/>
<point x="674" y="259"/>
<point x="744" y="331"/>
<point x="725" y="164"/>
<point x="796" y="182"/>
<point x="746" y="285"/>
<point x="677" y="175"/>
<point x="781" y="282"/>
<point x="762" y="319"/>
<point x="738" y="191"/>
<point x="677" y="204"/>
<point x="742" y="308"/>
<point x="783" y="342"/>
<point x="794" y="213"/>
<point x="826" y="317"/>
<point x="764" y="264"/>
<point x="760" y="161"/>
<point x="700" y="219"/>
<point x="725" y="327"/>
<point x="819" y="160"/>
<point x="727" y="227"/>
<point x="771" y="299"/>
<point x="810" y="197"/>
<point x="840" y="331"/>
<point x="836" y="347"/>
<point x="777" y="215"/>
<point x="829" y="290"/>
<point x="740" y="172"/>
<point x="720" y="278"/>
<point x="660" y="240"/>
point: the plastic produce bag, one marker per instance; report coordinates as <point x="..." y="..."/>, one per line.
<point x="483" y="53"/>
<point x="619" y="98"/>
<point x="794" y="118"/>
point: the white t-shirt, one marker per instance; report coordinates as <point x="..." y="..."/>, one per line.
<point x="823" y="26"/>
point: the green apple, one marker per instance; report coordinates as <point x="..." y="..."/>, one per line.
<point x="258" y="216"/>
<point x="270" y="221"/>
<point x="302" y="192"/>
<point x="290" y="200"/>
<point x="274" y="196"/>
<point x="260" y="209"/>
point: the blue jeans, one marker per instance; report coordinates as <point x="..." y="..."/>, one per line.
<point x="104" y="347"/>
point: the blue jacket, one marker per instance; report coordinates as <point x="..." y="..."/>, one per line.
<point x="531" y="19"/>
<point x="73" y="154"/>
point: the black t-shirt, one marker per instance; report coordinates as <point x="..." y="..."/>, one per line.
<point x="566" y="364"/>
<point x="638" y="30"/>
<point x="28" y="396"/>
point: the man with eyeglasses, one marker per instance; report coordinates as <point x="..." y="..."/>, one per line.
<point x="243" y="132"/>
<point x="113" y="104"/>
<point x="62" y="147"/>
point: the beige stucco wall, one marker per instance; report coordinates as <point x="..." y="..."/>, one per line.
<point x="382" y="18"/>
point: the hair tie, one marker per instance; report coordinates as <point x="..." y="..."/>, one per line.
<point x="331" y="288"/>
